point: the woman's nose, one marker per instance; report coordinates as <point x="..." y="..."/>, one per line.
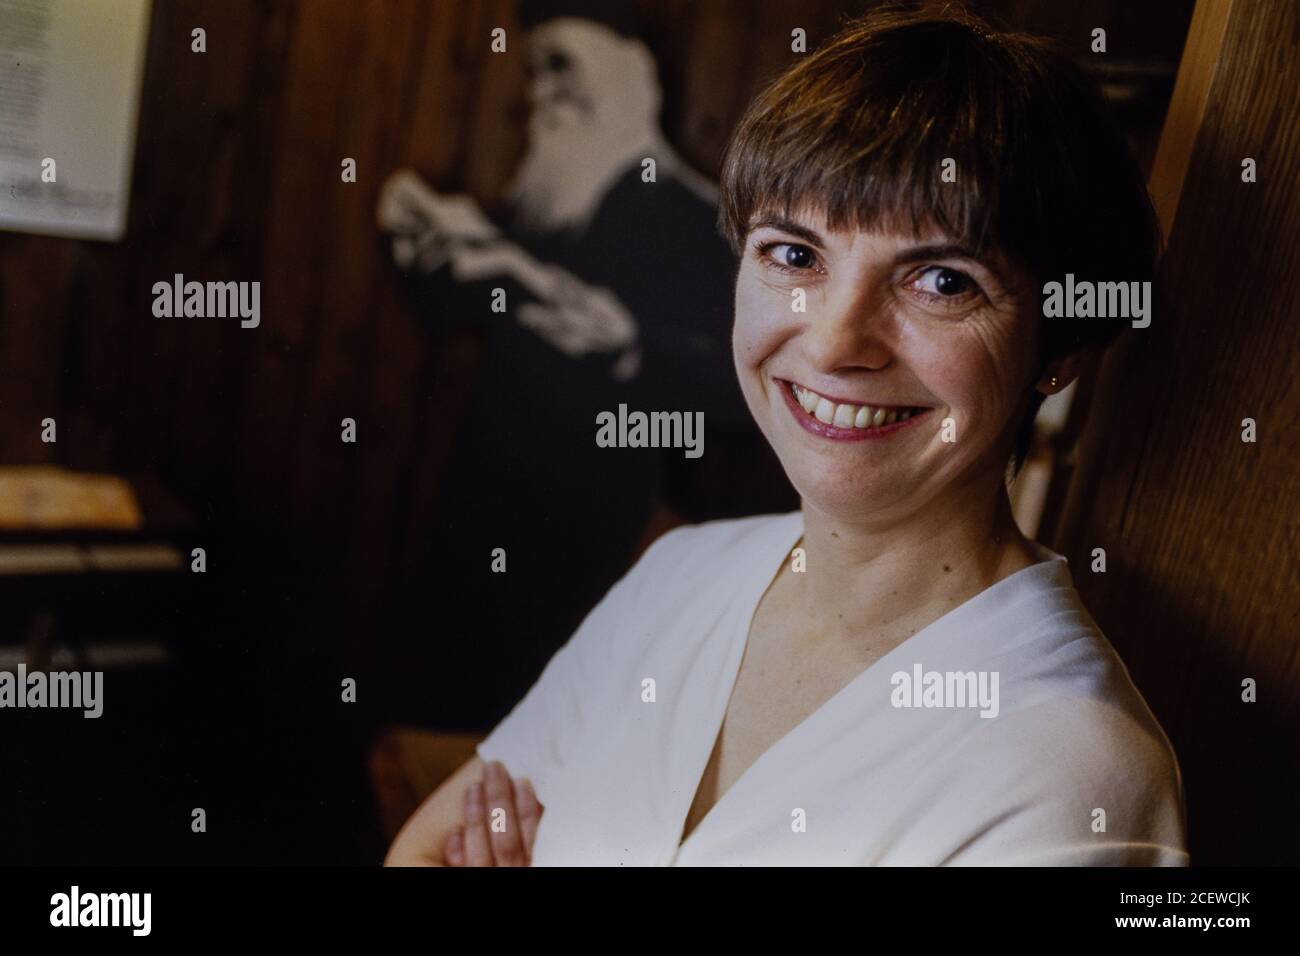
<point x="847" y="334"/>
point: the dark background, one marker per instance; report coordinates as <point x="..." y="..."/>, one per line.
<point x="232" y="435"/>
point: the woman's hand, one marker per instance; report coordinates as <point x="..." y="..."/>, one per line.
<point x="499" y="822"/>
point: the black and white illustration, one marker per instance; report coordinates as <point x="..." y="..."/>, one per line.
<point x="617" y="292"/>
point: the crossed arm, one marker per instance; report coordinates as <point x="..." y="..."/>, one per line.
<point x="455" y="824"/>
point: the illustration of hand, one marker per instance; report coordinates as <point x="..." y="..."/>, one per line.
<point x="427" y="227"/>
<point x="579" y="319"/>
<point x="575" y="317"/>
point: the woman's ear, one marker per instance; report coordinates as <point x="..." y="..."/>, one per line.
<point x="1059" y="373"/>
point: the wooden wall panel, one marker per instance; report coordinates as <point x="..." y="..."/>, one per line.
<point x="35" y="281"/>
<point x="1202" y="587"/>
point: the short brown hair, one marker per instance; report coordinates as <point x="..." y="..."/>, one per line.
<point x="859" y="130"/>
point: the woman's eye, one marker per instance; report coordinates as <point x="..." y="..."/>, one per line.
<point x="789" y="256"/>
<point x="945" y="287"/>
<point x="945" y="282"/>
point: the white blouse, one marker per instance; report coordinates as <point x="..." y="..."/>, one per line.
<point x="1069" y="768"/>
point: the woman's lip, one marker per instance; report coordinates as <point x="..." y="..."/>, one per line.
<point x="835" y="432"/>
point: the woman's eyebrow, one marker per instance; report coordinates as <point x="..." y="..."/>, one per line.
<point x="950" y="250"/>
<point x="939" y="251"/>
<point x="790" y="226"/>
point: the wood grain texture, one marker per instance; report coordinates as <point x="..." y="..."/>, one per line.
<point x="1187" y="107"/>
<point x="1200" y="529"/>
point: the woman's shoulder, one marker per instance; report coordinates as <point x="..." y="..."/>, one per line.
<point x="1080" y="754"/>
<point x="1087" y="764"/>
<point x="1065" y="690"/>
<point x="1062" y="655"/>
<point x="1065" y="666"/>
<point x="1074" y="726"/>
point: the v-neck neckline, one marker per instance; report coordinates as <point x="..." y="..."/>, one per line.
<point x="740" y="644"/>
<point x="740" y="638"/>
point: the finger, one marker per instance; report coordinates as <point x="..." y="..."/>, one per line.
<point x="469" y="265"/>
<point x="477" y="850"/>
<point x="574" y="338"/>
<point x="393" y="217"/>
<point x="454" y="850"/>
<point x="577" y="331"/>
<point x="389" y="210"/>
<point x="462" y="216"/>
<point x="399" y="208"/>
<point x="539" y="318"/>
<point x="413" y="191"/>
<point x="530" y="813"/>
<point x="503" y="820"/>
<point x="532" y="314"/>
<point x="500" y="258"/>
<point x="551" y="324"/>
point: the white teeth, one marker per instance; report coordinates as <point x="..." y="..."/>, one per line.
<point x="847" y="416"/>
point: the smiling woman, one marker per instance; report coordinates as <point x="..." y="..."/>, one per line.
<point x="1042" y="177"/>
<point x="735" y="698"/>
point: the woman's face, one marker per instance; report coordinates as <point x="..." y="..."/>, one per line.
<point x="903" y="377"/>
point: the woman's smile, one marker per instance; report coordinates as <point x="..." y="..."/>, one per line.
<point x="841" y="420"/>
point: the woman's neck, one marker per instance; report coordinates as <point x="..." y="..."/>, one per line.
<point x="895" y="577"/>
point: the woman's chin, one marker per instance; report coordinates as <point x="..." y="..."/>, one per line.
<point x="852" y="498"/>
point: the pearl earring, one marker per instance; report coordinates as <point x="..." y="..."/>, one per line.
<point x="1052" y="383"/>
